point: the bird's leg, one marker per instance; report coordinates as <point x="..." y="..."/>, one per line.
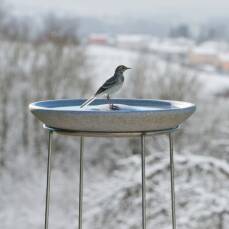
<point x="108" y="99"/>
<point x="111" y="105"/>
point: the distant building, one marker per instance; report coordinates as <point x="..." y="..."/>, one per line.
<point x="224" y="62"/>
<point x="211" y="53"/>
<point x="203" y="56"/>
<point x="99" y="39"/>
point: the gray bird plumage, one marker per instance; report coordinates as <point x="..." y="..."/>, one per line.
<point x="111" y="86"/>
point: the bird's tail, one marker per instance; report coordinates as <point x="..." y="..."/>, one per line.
<point x="87" y="102"/>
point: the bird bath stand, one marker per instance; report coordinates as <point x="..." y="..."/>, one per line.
<point x="140" y="118"/>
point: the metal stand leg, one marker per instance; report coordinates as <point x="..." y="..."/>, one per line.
<point x="48" y="180"/>
<point x="81" y="183"/>
<point x="143" y="182"/>
<point x="172" y="181"/>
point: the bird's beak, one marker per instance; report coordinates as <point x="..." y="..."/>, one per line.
<point x="127" y="68"/>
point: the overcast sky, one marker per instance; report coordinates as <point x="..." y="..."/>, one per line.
<point x="194" y="10"/>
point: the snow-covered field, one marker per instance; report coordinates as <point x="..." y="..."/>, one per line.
<point x="112" y="194"/>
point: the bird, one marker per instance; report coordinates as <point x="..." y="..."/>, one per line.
<point x="110" y="86"/>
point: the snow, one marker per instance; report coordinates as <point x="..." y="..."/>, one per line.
<point x="198" y="193"/>
<point x="214" y="83"/>
<point x="132" y="38"/>
<point x="112" y="185"/>
<point x="205" y="51"/>
<point x="224" y="57"/>
<point x="168" y="46"/>
<point x="212" y="48"/>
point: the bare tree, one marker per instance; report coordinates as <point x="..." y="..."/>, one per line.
<point x="60" y="30"/>
<point x="170" y="82"/>
<point x="29" y="72"/>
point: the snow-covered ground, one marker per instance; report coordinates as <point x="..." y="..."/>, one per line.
<point x="214" y="83"/>
<point x="112" y="193"/>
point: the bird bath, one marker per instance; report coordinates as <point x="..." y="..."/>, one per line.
<point x="135" y="117"/>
